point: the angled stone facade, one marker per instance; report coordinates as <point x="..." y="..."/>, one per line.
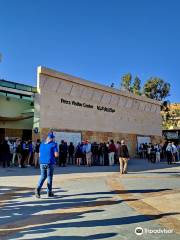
<point x="99" y="112"/>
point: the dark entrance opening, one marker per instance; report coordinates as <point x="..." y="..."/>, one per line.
<point x="27" y="134"/>
<point x="2" y="134"/>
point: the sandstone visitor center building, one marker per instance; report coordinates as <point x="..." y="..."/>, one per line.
<point x="77" y="110"/>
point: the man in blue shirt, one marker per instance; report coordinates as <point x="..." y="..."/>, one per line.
<point x="48" y="153"/>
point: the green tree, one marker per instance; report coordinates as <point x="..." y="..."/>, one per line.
<point x="126" y="82"/>
<point x="165" y="106"/>
<point x="136" y="87"/>
<point x="156" y="88"/>
<point x="165" y="113"/>
<point x="170" y="116"/>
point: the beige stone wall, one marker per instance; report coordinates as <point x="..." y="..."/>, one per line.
<point x="133" y="115"/>
<point x="130" y="139"/>
<point x="157" y="139"/>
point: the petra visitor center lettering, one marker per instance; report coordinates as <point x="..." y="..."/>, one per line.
<point x="78" y="104"/>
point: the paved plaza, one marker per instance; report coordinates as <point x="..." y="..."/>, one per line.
<point x="92" y="203"/>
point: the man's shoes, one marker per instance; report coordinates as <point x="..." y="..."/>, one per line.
<point x="50" y="194"/>
<point x="37" y="193"/>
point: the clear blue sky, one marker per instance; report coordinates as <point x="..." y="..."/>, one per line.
<point x="98" y="40"/>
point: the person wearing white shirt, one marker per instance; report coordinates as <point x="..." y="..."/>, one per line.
<point x="174" y="152"/>
<point x="158" y="152"/>
<point x="88" y="153"/>
<point x="169" y="151"/>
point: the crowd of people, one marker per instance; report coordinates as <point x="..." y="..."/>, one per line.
<point x="88" y="154"/>
<point x="169" y="152"/>
<point x="19" y="153"/>
<point x="26" y="153"/>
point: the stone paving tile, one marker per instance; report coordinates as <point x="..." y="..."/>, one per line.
<point x="90" y="203"/>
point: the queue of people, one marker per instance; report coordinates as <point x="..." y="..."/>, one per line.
<point x="26" y="153"/>
<point x="19" y="153"/>
<point x="88" y="154"/>
<point x="155" y="153"/>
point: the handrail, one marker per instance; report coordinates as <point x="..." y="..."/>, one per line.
<point x="18" y="86"/>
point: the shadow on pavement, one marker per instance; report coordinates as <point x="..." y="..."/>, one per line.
<point x="90" y="237"/>
<point x="134" y="166"/>
<point x="20" y="215"/>
<point x="142" y="190"/>
<point x="140" y="165"/>
<point x="52" y="227"/>
<point x="165" y="172"/>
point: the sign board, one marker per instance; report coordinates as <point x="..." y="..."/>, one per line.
<point x="143" y="139"/>
<point x="172" y="135"/>
<point x="74" y="137"/>
<point x="80" y="104"/>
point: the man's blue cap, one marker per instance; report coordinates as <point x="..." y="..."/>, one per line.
<point x="51" y="135"/>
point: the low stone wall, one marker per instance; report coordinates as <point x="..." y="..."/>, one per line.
<point x="157" y="139"/>
<point x="130" y="139"/>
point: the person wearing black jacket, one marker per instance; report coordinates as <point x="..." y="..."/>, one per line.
<point x="71" y="153"/>
<point x="5" y="154"/>
<point x="36" y="153"/>
<point x="123" y="154"/>
<point x="63" y="153"/>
